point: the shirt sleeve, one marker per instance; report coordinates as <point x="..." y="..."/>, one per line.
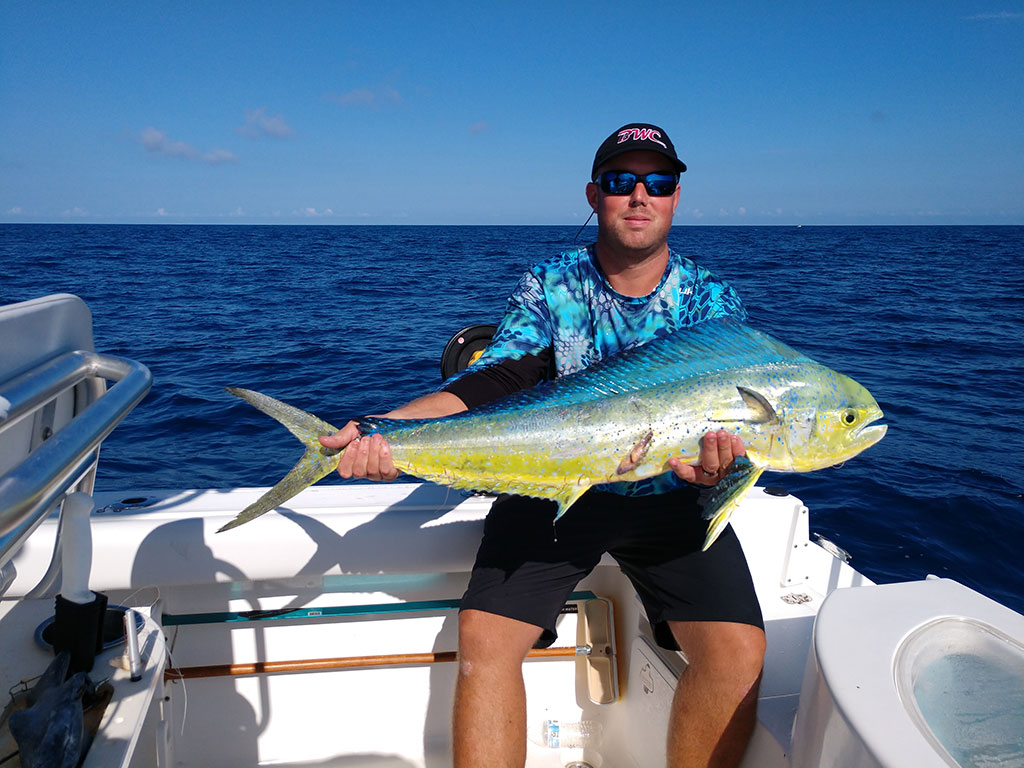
<point x="716" y="298"/>
<point x="519" y="355"/>
<point x="481" y="385"/>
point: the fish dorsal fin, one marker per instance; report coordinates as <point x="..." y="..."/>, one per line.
<point x="716" y="345"/>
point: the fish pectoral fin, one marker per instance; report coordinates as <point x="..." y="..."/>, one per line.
<point x="568" y="497"/>
<point x="636" y="455"/>
<point x="761" y="411"/>
<point x="314" y="465"/>
<point x="726" y="496"/>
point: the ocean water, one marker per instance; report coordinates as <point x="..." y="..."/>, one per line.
<point x="344" y="321"/>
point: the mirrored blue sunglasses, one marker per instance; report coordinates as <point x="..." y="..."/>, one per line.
<point x="624" y="182"/>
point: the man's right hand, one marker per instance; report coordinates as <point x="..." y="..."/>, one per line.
<point x="366" y="456"/>
<point x="370" y="456"/>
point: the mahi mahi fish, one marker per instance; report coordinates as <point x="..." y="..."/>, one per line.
<point x="620" y="420"/>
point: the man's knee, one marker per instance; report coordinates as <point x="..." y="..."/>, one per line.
<point x="493" y="640"/>
<point x="722" y="648"/>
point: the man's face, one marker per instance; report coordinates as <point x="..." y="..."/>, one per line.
<point x="635" y="222"/>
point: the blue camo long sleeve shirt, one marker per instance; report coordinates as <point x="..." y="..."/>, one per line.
<point x="563" y="312"/>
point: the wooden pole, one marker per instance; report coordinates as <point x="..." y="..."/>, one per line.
<point x="343" y="662"/>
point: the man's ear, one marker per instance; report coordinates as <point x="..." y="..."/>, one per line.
<point x="592" y="195"/>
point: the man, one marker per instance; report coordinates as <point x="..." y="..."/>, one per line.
<point x="566" y="313"/>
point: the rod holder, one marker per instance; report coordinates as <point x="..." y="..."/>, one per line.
<point x="78" y="629"/>
<point x="79" y="612"/>
<point x="76" y="548"/>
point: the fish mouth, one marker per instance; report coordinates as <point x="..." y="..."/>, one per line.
<point x="871" y="434"/>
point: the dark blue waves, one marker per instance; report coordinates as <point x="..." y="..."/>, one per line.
<point x="345" y="321"/>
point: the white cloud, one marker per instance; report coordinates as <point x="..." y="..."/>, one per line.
<point x="314" y="213"/>
<point x="159" y="143"/>
<point x="366" y="97"/>
<point x="219" y="157"/>
<point x="77" y="212"/>
<point x="258" y="123"/>
<point x="15" y="211"/>
<point x="160" y="212"/>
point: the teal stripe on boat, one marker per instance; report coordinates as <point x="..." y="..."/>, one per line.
<point x="329" y="612"/>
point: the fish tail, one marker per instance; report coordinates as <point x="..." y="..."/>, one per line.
<point x="317" y="462"/>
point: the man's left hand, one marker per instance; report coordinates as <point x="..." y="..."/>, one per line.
<point x="717" y="451"/>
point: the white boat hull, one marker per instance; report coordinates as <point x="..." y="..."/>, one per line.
<point x="364" y="545"/>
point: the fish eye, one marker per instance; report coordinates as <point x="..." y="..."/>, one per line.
<point x="849" y="417"/>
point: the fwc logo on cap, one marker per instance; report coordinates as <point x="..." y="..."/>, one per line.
<point x="641" y="134"/>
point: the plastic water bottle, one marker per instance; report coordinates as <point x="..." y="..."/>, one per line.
<point x="559" y="734"/>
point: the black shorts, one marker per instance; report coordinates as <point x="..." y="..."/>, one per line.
<point x="526" y="567"/>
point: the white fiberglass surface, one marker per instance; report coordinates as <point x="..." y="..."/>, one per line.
<point x="962" y="681"/>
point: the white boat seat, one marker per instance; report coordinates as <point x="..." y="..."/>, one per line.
<point x="866" y="701"/>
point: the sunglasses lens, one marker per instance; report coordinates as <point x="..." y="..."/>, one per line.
<point x="618" y="182"/>
<point x="660" y="184"/>
<point x="623" y="183"/>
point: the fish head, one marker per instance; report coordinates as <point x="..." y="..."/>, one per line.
<point x="834" y="422"/>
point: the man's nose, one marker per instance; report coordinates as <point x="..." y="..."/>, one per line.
<point x="639" y="195"/>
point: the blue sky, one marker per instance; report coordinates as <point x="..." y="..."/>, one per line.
<point x="487" y="113"/>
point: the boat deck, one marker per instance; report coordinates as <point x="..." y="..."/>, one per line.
<point x="376" y="571"/>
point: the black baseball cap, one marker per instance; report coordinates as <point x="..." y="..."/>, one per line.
<point x="635" y="137"/>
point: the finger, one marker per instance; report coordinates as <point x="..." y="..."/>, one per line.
<point x="725" y="456"/>
<point x="346" y="465"/>
<point x="342" y="437"/>
<point x="337" y="440"/>
<point x="687" y="472"/>
<point x="738" y="448"/>
<point x="361" y="459"/>
<point x="692" y="473"/>
<point x="329" y="441"/>
<point x="353" y="460"/>
<point x="373" y="456"/>
<point x="709" y="454"/>
<point x="387" y="467"/>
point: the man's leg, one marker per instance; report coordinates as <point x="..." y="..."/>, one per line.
<point x="715" y="706"/>
<point x="489" y="722"/>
